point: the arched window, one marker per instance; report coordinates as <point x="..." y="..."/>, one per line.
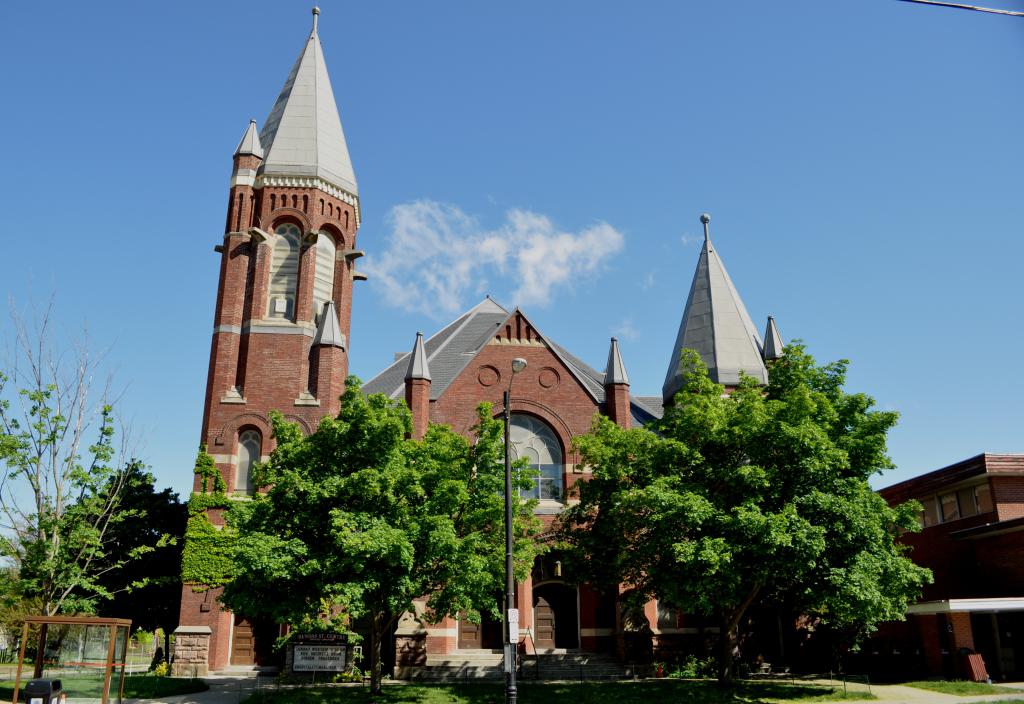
<point x="323" y="276"/>
<point x="284" y="272"/>
<point x="249" y="445"/>
<point x="535" y="440"/>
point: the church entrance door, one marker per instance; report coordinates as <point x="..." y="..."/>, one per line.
<point x="252" y="641"/>
<point x="485" y="635"/>
<point x="243" y="642"/>
<point x="555" y="617"/>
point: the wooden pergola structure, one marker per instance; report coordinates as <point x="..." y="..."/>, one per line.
<point x="113" y="661"/>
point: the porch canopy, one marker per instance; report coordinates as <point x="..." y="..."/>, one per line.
<point x="86" y="654"/>
<point x="984" y="605"/>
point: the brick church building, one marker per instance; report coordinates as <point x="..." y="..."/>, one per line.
<point x="281" y="335"/>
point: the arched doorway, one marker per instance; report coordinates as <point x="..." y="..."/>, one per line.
<point x="556" y="621"/>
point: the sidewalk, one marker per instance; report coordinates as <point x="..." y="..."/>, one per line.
<point x="224" y="689"/>
<point x="899" y="694"/>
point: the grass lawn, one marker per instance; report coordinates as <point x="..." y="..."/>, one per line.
<point x="688" y="692"/>
<point x="961" y="688"/>
<point x="135" y="687"/>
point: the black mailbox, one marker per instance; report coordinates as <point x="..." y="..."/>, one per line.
<point x="42" y="692"/>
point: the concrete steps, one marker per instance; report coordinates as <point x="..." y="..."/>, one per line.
<point x="486" y="665"/>
<point x="572" y="666"/>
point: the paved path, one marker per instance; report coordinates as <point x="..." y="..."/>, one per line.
<point x="224" y="689"/>
<point x="233" y="689"/>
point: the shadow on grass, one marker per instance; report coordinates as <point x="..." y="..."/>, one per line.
<point x="688" y="692"/>
<point x="135" y="687"/>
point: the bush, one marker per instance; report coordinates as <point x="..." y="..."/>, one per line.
<point x="161" y="670"/>
<point x="694" y="668"/>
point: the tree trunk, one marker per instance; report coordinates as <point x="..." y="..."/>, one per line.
<point x="728" y="634"/>
<point x="726" y="647"/>
<point x="376" y="623"/>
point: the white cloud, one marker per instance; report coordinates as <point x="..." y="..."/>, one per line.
<point x="436" y="255"/>
<point x="687" y="239"/>
<point x="626" y="330"/>
<point x="648" y="281"/>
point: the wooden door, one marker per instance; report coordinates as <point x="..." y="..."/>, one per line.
<point x="470" y="634"/>
<point x="243" y="642"/>
<point x="544" y="623"/>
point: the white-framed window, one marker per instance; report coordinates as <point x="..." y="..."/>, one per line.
<point x="534" y="439"/>
<point x="323" y="276"/>
<point x="284" y="272"/>
<point x="249" y="446"/>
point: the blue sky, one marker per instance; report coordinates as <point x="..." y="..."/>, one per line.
<point x="861" y="161"/>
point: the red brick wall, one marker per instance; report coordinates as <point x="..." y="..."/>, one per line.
<point x="202" y="608"/>
<point x="546" y="389"/>
<point x="1008" y="495"/>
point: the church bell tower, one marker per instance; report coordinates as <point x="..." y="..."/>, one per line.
<point x="284" y="301"/>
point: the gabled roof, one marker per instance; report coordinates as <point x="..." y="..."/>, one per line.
<point x="302" y="135"/>
<point x="451" y="349"/>
<point x="716" y="324"/>
<point x="772" y="340"/>
<point x="418" y="368"/>
<point x="250" y="143"/>
<point x="448" y="351"/>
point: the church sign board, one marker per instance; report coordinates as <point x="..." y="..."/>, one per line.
<point x="319" y="652"/>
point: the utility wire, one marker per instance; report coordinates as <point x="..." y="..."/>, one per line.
<point x="960" y="6"/>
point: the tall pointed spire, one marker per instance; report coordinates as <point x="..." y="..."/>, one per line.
<point x="418" y="368"/>
<point x="772" y="340"/>
<point x="302" y="135"/>
<point x="250" y="144"/>
<point x="716" y="324"/>
<point x="615" y="370"/>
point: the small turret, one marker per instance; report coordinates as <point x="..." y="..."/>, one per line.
<point x="327" y="363"/>
<point x="772" y="341"/>
<point x="417" y="388"/>
<point x="616" y="387"/>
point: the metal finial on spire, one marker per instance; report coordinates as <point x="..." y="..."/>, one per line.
<point x="316" y="15"/>
<point x="705" y="219"/>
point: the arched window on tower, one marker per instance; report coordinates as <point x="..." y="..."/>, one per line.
<point x="323" y="276"/>
<point x="249" y="446"/>
<point x="535" y="440"/>
<point x="284" y="272"/>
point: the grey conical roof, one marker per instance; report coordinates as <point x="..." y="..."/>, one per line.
<point x="418" y="368"/>
<point x="328" y="333"/>
<point x="772" y="340"/>
<point x="716" y="324"/>
<point x="615" y="370"/>
<point x="250" y="143"/>
<point x="303" y="135"/>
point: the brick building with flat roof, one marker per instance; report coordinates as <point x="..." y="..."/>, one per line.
<point x="972" y="538"/>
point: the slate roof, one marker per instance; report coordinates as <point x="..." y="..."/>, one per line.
<point x="250" y="143"/>
<point x="328" y="333"/>
<point x="302" y="135"/>
<point x="772" y="340"/>
<point x="716" y="324"/>
<point x="418" y="367"/>
<point x="451" y="349"/>
<point x="615" y="370"/>
<point x="448" y="351"/>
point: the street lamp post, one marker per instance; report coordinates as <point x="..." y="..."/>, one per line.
<point x="511" y="613"/>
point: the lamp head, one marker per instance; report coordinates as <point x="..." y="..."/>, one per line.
<point x="518" y="365"/>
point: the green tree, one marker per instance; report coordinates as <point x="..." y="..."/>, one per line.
<point x="63" y="474"/>
<point x="360" y="521"/>
<point x="759" y="496"/>
<point x="148" y="589"/>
